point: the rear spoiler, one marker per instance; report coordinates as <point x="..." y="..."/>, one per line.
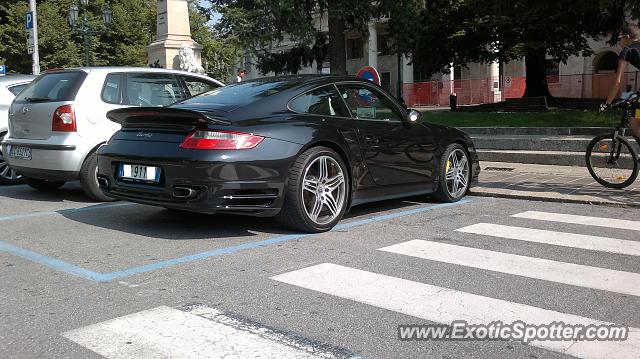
<point x="163" y="117"/>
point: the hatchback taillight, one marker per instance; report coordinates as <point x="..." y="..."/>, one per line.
<point x="220" y="140"/>
<point x="64" y="119"/>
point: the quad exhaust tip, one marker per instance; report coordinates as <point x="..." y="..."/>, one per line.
<point x="184" y="192"/>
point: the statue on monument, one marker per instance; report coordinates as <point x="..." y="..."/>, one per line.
<point x="174" y="48"/>
<point x="188" y="60"/>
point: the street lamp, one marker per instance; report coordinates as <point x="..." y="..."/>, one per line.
<point x="84" y="29"/>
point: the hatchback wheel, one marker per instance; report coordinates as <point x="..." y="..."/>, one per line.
<point x="89" y="179"/>
<point x="454" y="174"/>
<point x="316" y="194"/>
<point x="8" y="175"/>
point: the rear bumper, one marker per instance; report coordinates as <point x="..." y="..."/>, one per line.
<point x="240" y="182"/>
<point x="58" y="158"/>
<point x="49" y="175"/>
<point x="262" y="199"/>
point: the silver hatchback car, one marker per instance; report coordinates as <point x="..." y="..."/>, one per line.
<point x="57" y="123"/>
<point x="10" y="86"/>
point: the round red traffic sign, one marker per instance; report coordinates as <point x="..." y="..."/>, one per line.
<point x="369" y="73"/>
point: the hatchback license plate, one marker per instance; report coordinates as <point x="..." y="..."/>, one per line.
<point x="138" y="172"/>
<point x="21" y="152"/>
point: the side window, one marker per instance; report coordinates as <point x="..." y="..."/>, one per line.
<point x="197" y="86"/>
<point x="367" y="103"/>
<point x="324" y="101"/>
<point x="111" y="89"/>
<point x="145" y="89"/>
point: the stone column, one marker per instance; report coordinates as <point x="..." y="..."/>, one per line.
<point x="372" y="48"/>
<point x="173" y="31"/>
<point x="494" y="81"/>
<point x="407" y="70"/>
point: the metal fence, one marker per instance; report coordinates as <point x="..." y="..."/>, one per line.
<point x="491" y="90"/>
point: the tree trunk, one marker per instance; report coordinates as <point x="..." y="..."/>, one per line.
<point x="337" y="51"/>
<point x="535" y="61"/>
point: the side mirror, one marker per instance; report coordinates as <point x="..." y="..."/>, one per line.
<point x="413" y="116"/>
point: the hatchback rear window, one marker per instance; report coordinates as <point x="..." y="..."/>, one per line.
<point x="52" y="87"/>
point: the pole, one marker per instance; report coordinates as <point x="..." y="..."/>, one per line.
<point x="399" y="75"/>
<point x="87" y="40"/>
<point x="35" y="56"/>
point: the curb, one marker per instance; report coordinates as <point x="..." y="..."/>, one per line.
<point x="478" y="191"/>
<point x="536" y="131"/>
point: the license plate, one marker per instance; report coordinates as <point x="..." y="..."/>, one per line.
<point x="139" y="172"/>
<point x="23" y="153"/>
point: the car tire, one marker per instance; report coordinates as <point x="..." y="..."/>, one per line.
<point x="89" y="179"/>
<point x="8" y="176"/>
<point x="43" y="185"/>
<point x="316" y="191"/>
<point x="454" y="174"/>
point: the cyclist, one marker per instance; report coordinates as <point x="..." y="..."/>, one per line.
<point x="629" y="40"/>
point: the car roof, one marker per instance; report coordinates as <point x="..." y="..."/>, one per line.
<point x="104" y="69"/>
<point x="306" y="79"/>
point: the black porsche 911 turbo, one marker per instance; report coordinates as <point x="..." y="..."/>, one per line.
<point x="301" y="148"/>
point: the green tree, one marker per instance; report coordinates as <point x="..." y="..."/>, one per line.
<point x="133" y="28"/>
<point x="465" y="31"/>
<point x="260" y="26"/>
<point x="220" y="52"/>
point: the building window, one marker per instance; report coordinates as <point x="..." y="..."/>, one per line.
<point x="354" y="49"/>
<point x="385" y="81"/>
<point x="383" y="45"/>
<point x="457" y="73"/>
<point x="607" y="62"/>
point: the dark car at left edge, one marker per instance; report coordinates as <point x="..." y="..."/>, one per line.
<point x="303" y="149"/>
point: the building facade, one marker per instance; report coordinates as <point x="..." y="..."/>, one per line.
<point x="580" y="77"/>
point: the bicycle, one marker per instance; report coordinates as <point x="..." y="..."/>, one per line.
<point x="611" y="159"/>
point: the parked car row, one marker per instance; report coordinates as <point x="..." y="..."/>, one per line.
<point x="303" y="149"/>
<point x="10" y="87"/>
<point x="57" y="123"/>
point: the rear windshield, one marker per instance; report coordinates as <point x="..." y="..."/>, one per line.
<point x="240" y="94"/>
<point x="52" y="87"/>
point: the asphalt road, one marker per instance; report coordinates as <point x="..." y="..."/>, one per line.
<point x="132" y="281"/>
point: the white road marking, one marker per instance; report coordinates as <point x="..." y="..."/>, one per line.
<point x="165" y="332"/>
<point x="560" y="272"/>
<point x="604" y="244"/>
<point x="587" y="221"/>
<point x="443" y="305"/>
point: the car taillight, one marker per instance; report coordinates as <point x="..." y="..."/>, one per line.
<point x="220" y="140"/>
<point x="64" y="119"/>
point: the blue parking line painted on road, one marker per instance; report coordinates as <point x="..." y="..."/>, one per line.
<point x="63" y="211"/>
<point x="51" y="262"/>
<point x="107" y="277"/>
<point x="216" y="252"/>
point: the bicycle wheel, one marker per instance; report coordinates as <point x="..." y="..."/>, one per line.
<point x="612" y="162"/>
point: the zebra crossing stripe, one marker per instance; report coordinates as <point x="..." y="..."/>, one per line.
<point x="444" y="305"/>
<point x="603" y="244"/>
<point x="165" y="332"/>
<point x="588" y="221"/>
<point x="544" y="269"/>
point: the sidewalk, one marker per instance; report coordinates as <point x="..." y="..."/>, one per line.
<point x="550" y="183"/>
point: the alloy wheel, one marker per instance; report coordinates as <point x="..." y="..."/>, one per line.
<point x="7" y="173"/>
<point x="323" y="190"/>
<point x="457" y="173"/>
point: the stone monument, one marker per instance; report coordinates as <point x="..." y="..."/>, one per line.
<point x="174" y="35"/>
